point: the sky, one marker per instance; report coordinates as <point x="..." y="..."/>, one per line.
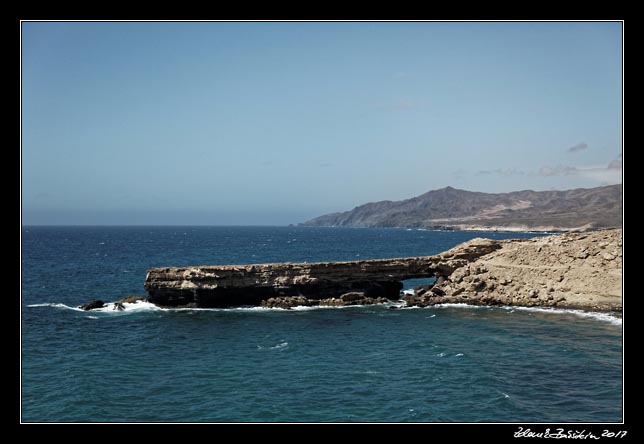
<point x="258" y="123"/>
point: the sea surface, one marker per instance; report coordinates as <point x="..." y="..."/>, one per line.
<point x="356" y="364"/>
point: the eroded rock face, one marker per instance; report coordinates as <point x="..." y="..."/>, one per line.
<point x="351" y="298"/>
<point x="580" y="270"/>
<point x="237" y="285"/>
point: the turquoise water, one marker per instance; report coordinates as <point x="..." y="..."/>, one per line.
<point x="354" y="364"/>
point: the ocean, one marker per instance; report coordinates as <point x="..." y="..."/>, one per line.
<point x="354" y="364"/>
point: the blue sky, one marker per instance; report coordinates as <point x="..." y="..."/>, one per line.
<point x="275" y="123"/>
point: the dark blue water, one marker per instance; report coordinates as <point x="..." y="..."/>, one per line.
<point x="372" y="364"/>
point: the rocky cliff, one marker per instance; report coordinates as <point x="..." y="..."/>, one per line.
<point x="451" y="208"/>
<point x="575" y="270"/>
<point x="236" y="285"/>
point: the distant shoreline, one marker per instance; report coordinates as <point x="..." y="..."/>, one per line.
<point x="518" y="211"/>
<point x="482" y="228"/>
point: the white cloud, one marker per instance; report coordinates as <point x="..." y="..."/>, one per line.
<point x="610" y="174"/>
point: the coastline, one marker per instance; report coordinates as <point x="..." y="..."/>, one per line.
<point x="481" y="228"/>
<point x="572" y="270"/>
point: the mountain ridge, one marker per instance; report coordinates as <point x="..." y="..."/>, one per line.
<point x="526" y="210"/>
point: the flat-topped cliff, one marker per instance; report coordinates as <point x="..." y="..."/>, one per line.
<point x="235" y="285"/>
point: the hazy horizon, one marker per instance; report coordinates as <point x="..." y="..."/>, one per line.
<point x="270" y="124"/>
<point x="197" y="224"/>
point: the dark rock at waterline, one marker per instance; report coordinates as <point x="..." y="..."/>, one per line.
<point x="288" y="302"/>
<point x="344" y="300"/>
<point x="118" y="306"/>
<point x="132" y="299"/>
<point x="421" y="290"/>
<point x="425" y="299"/>
<point x="93" y="305"/>
<point x="353" y="298"/>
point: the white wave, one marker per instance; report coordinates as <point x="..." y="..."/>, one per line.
<point x="108" y="308"/>
<point x="459" y="305"/>
<point x="600" y="316"/>
<point x="55" y="305"/>
<point x="458" y="354"/>
<point x="396" y="304"/>
<point x="279" y="346"/>
<point x="409" y="291"/>
<point x="137" y="306"/>
<point x="597" y="315"/>
<point x="142" y="306"/>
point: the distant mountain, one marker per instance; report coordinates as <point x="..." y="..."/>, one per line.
<point x="450" y="208"/>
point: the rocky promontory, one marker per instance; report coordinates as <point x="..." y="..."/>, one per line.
<point x="325" y="282"/>
<point x="574" y="270"/>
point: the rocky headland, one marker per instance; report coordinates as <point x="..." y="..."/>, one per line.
<point x="453" y="209"/>
<point x="573" y="270"/>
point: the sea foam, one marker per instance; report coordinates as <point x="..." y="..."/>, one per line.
<point x="597" y="315"/>
<point x="143" y="306"/>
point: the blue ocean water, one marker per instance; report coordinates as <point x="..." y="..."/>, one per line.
<point x="353" y="364"/>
